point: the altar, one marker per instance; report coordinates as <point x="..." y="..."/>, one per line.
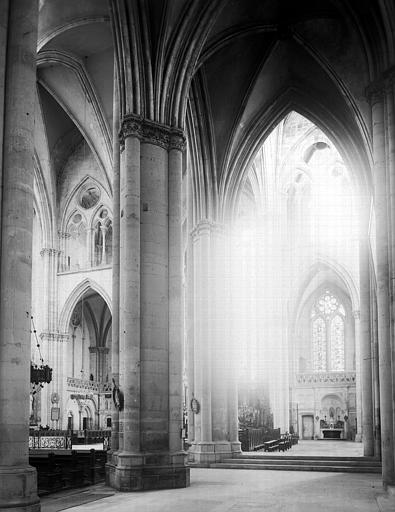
<point x="332" y="433"/>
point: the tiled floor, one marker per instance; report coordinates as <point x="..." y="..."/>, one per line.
<point x="216" y="490"/>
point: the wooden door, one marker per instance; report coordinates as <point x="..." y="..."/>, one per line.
<point x="307" y="427"/>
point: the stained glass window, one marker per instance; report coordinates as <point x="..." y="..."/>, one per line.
<point x="319" y="345"/>
<point x="337" y="344"/>
<point x="328" y="316"/>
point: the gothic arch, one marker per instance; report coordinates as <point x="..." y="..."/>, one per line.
<point x="307" y="287"/>
<point x="348" y="140"/>
<point x="75" y="296"/>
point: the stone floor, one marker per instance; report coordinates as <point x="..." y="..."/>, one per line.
<point x="216" y="490"/>
<point x="322" y="448"/>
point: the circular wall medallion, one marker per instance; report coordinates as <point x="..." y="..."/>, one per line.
<point x="89" y="197"/>
<point x="195" y="406"/>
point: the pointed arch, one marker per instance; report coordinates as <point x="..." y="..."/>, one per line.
<point x="347" y="137"/>
<point x="75" y="296"/>
<point x="307" y="287"/>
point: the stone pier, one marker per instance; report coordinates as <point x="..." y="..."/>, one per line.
<point x="18" y="482"/>
<point x="150" y="452"/>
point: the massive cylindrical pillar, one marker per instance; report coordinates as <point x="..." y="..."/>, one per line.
<point x="18" y="484"/>
<point x="150" y="453"/>
<point x="383" y="288"/>
<point x="215" y="379"/>
<point x="130" y="319"/>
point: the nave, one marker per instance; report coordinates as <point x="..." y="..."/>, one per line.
<point x="196" y="239"/>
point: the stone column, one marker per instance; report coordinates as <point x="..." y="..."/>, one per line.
<point x="103" y="230"/>
<point x="358" y="387"/>
<point x="48" y="341"/>
<point x="115" y="263"/>
<point x="376" y="384"/>
<point x="365" y="346"/>
<point x="129" y="318"/>
<point x="220" y="347"/>
<point x="176" y="298"/>
<point x="202" y="357"/>
<point x="148" y="366"/>
<point x="390" y="153"/>
<point x="215" y="381"/>
<point x="190" y="317"/>
<point x="18" y="483"/>
<point x="383" y="280"/>
<point x="231" y="360"/>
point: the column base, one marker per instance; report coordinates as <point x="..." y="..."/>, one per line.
<point x="18" y="489"/>
<point x="205" y="453"/>
<point x="147" y="471"/>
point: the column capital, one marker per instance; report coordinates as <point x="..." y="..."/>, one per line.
<point x="151" y="132"/>
<point x="356" y="314"/>
<point x="206" y="226"/>
<point x="177" y="140"/>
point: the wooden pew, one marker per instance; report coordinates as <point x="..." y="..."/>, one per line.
<point x="66" y="469"/>
<point x="271" y="446"/>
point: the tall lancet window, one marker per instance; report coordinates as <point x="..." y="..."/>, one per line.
<point x="327" y="322"/>
<point x="102" y="239"/>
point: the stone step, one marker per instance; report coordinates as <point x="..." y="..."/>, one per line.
<point x="304" y="461"/>
<point x="343" y="468"/>
<point x="260" y="456"/>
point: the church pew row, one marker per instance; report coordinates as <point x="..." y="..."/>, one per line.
<point x="67" y="469"/>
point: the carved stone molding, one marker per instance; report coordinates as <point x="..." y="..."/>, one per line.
<point x="48" y="251"/>
<point x="54" y="336"/>
<point x="207" y="227"/>
<point x="89" y="385"/>
<point x="326" y="378"/>
<point x="131" y="127"/>
<point x="177" y="140"/>
<point x="151" y="132"/>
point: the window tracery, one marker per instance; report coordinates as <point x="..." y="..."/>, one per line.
<point x="327" y="318"/>
<point x="102" y="238"/>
